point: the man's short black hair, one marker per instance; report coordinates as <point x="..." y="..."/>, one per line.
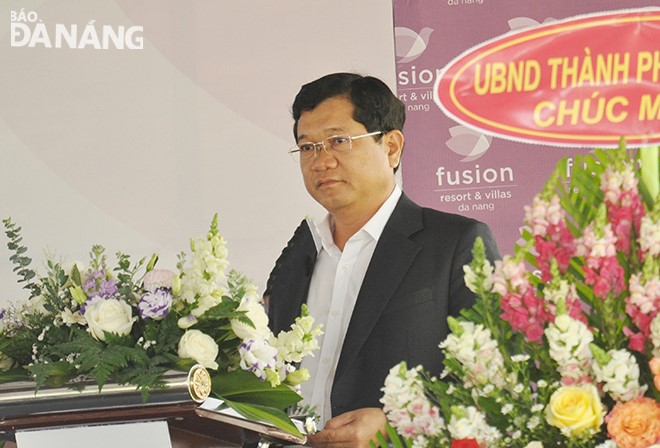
<point x="375" y="106"/>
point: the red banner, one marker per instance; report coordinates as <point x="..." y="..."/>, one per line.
<point x="585" y="81"/>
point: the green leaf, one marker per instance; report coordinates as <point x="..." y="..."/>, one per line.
<point x="265" y="414"/>
<point x="9" y="376"/>
<point x="395" y="439"/>
<point x="242" y="386"/>
<point x="53" y="374"/>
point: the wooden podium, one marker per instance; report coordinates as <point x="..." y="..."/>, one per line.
<point x="188" y="418"/>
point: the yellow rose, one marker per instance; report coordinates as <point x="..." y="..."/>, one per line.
<point x="575" y="409"/>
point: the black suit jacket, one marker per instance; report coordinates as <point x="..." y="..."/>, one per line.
<point x="413" y="282"/>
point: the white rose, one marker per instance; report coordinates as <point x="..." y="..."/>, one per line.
<point x="534" y="444"/>
<point x="199" y="346"/>
<point x="257" y="314"/>
<point x="111" y="315"/>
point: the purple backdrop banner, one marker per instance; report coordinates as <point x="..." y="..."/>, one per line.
<point x="452" y="167"/>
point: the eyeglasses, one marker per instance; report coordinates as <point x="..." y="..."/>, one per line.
<point x="339" y="144"/>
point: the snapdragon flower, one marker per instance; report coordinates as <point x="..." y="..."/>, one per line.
<point x="619" y="373"/>
<point x="569" y="341"/>
<point x="475" y="349"/>
<point x="406" y="406"/>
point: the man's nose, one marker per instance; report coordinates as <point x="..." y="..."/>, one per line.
<point x="323" y="158"/>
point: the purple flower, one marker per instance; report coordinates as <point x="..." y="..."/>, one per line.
<point x="257" y="356"/>
<point x="155" y="305"/>
<point x="98" y="284"/>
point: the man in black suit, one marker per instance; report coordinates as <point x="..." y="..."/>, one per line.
<point x="380" y="272"/>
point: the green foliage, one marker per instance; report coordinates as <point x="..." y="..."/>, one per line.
<point x="19" y="259"/>
<point x="242" y="386"/>
<point x="267" y="414"/>
<point x="11" y="375"/>
<point x="392" y="440"/>
<point x="101" y="361"/>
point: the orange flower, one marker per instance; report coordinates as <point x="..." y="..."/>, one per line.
<point x="635" y="424"/>
<point x="654" y="365"/>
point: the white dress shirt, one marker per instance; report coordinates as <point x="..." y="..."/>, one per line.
<point x="333" y="291"/>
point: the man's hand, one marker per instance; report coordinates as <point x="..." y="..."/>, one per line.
<point x="353" y="429"/>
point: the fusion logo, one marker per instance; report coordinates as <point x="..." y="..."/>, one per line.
<point x="28" y="30"/>
<point x="409" y="44"/>
<point x="469" y="143"/>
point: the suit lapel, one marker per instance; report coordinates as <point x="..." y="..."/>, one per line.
<point x="391" y="260"/>
<point x="289" y="281"/>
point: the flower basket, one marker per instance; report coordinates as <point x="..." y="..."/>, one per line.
<point x="563" y="345"/>
<point x="130" y="325"/>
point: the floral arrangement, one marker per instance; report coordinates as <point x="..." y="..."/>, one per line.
<point x="563" y="345"/>
<point x="131" y="323"/>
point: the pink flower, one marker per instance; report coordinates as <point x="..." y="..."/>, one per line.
<point x="624" y="205"/>
<point x="558" y="245"/>
<point x="605" y="275"/>
<point x="635" y="340"/>
<point x="542" y="214"/>
<point x="526" y="314"/>
<point x="643" y="304"/>
<point x="158" y="278"/>
<point x="574" y="308"/>
<point x="509" y="276"/>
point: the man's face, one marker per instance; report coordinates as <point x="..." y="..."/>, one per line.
<point x="358" y="181"/>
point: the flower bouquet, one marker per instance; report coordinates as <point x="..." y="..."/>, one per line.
<point x="563" y="345"/>
<point x="132" y="323"/>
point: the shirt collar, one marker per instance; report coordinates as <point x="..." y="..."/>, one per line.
<point x="322" y="231"/>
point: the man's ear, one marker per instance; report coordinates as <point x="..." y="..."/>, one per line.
<point x="394" y="142"/>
